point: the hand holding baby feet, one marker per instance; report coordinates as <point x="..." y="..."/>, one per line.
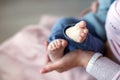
<point x="78" y="32"/>
<point x="56" y="49"/>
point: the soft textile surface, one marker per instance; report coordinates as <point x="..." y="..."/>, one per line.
<point x="22" y="56"/>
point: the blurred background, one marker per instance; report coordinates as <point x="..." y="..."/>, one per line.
<point x="15" y="14"/>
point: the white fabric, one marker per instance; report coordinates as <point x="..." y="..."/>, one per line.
<point x="92" y="61"/>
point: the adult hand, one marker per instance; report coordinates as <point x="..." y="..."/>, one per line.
<point x="70" y="60"/>
<point x="94" y="6"/>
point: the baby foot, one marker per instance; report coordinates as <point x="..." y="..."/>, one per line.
<point x="78" y="32"/>
<point x="56" y="49"/>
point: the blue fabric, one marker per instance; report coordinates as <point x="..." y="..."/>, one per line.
<point x="91" y="43"/>
<point x="95" y="24"/>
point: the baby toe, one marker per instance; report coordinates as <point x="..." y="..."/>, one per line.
<point x="82" y="24"/>
<point x="83" y="35"/>
<point x="80" y="39"/>
<point x="85" y="31"/>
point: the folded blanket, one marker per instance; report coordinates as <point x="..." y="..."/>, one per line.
<point x="22" y="56"/>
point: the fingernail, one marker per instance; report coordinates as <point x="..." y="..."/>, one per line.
<point x="42" y="71"/>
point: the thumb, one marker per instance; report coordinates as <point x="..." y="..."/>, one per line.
<point x="46" y="45"/>
<point x="50" y="67"/>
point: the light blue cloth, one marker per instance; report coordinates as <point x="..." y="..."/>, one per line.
<point x="98" y="19"/>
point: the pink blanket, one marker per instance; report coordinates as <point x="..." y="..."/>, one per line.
<point x="22" y="56"/>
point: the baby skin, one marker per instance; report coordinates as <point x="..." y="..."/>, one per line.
<point x="77" y="33"/>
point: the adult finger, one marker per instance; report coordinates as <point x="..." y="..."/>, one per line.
<point x="47" y="59"/>
<point x="46" y="45"/>
<point x="50" y="67"/>
<point x="94" y="6"/>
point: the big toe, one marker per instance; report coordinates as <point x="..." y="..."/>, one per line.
<point x="64" y="43"/>
<point x="81" y="24"/>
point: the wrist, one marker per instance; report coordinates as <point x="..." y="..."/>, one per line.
<point x="87" y="58"/>
<point x="84" y="58"/>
